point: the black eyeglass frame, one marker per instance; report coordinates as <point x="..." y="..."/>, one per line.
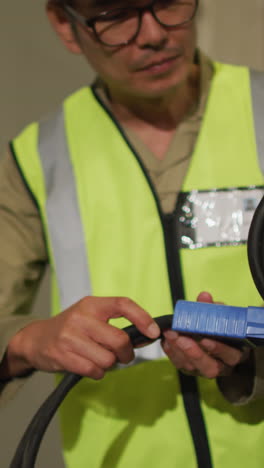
<point x="90" y="23"/>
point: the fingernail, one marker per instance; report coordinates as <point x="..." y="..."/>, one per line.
<point x="153" y="331"/>
<point x="184" y="343"/>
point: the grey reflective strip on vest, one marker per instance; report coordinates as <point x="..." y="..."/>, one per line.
<point x="63" y="215"/>
<point x="257" y="90"/>
<point x="65" y="227"/>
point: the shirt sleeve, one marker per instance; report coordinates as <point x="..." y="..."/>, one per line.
<point x="23" y="257"/>
<point x="246" y="383"/>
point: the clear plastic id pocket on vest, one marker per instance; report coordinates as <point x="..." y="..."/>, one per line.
<point x="216" y="217"/>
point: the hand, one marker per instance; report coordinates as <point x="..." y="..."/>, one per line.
<point x="79" y="340"/>
<point x="207" y="358"/>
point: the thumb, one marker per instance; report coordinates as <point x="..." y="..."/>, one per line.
<point x="205" y="297"/>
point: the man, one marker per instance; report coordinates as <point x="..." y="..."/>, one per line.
<point x="117" y="178"/>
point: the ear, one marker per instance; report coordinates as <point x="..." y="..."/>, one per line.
<point x="63" y="27"/>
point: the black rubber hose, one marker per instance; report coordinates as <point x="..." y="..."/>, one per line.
<point x="255" y="248"/>
<point x="28" y="447"/>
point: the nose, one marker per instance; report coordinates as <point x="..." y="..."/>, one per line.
<point x="152" y="34"/>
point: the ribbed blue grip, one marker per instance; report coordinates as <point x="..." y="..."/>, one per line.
<point x="219" y="320"/>
<point x="211" y="319"/>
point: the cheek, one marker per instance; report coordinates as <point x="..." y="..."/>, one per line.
<point x="185" y="38"/>
<point x="106" y="62"/>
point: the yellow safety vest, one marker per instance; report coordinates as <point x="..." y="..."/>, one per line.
<point x="135" y="416"/>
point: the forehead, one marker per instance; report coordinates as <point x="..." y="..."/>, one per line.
<point x="105" y="4"/>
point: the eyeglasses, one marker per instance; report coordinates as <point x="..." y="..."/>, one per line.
<point x="120" y="26"/>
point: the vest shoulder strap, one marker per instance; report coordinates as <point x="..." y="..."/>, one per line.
<point x="69" y="251"/>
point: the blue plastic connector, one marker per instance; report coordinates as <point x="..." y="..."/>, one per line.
<point x="219" y="320"/>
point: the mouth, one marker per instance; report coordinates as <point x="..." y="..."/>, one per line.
<point x="159" y="66"/>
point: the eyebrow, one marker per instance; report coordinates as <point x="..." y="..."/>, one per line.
<point x="111" y="4"/>
<point x="104" y="3"/>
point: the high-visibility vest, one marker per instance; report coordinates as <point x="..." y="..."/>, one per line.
<point x="106" y="237"/>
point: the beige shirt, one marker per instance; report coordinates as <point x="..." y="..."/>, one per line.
<point x="24" y="253"/>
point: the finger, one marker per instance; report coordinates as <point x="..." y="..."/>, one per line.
<point x="78" y="365"/>
<point x="175" y="354"/>
<point x="229" y="355"/>
<point x="205" y="297"/>
<point x="89" y="349"/>
<point x="207" y="366"/>
<point x="125" y="307"/>
<point x="171" y="335"/>
<point x="186" y="366"/>
<point x="112" y="338"/>
<point x="177" y="357"/>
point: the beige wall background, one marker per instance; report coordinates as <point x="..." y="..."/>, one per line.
<point x="36" y="73"/>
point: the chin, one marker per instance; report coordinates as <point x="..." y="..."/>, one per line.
<point x="157" y="89"/>
<point x="160" y="85"/>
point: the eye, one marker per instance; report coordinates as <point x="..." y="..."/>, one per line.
<point x="116" y="16"/>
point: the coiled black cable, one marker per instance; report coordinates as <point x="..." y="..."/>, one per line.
<point x="255" y="248"/>
<point x="28" y="447"/>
